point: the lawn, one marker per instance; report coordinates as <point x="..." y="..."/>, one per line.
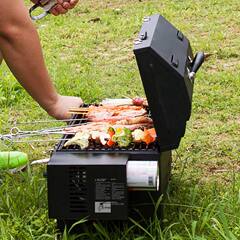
<point x="89" y="54"/>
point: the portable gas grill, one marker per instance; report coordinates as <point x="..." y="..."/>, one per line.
<point x="97" y="182"/>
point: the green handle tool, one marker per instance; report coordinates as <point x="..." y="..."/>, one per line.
<point x="10" y="160"/>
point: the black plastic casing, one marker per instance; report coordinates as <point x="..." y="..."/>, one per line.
<point x="164" y="58"/>
<point x="79" y="181"/>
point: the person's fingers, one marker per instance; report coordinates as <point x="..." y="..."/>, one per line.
<point x="60" y="9"/>
<point x="54" y="12"/>
<point x="62" y="6"/>
<point x="73" y="3"/>
<point x="66" y="5"/>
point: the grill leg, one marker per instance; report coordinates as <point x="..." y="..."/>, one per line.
<point x="142" y="205"/>
<point x="61" y="225"/>
<point x="81" y="228"/>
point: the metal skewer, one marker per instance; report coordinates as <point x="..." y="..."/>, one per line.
<point x="8" y="140"/>
<point x="50" y="121"/>
<point x="16" y="131"/>
<point x="39" y="140"/>
<point x="16" y="134"/>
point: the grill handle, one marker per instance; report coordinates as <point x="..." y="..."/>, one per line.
<point x="198" y="61"/>
<point x="196" y="64"/>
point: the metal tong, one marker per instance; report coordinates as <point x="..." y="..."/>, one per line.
<point x="16" y="135"/>
<point x="46" y="6"/>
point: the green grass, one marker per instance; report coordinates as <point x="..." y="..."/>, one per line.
<point x="89" y="54"/>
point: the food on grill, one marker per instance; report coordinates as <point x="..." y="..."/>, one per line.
<point x="122" y="136"/>
<point x="135" y="120"/>
<point x="148" y="135"/>
<point x="99" y="136"/>
<point x="104" y="138"/>
<point x="140" y="101"/>
<point x="81" y="139"/>
<point x="111" y="133"/>
<point x="99" y="126"/>
<point x="113" y="113"/>
<point x="117" y="102"/>
<point x="125" y="101"/>
<point x="103" y="127"/>
<point x="152" y="132"/>
<point x="134" y="126"/>
<point x="113" y="125"/>
<point x="138" y="135"/>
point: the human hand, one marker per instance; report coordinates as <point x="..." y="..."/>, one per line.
<point x="60" y="108"/>
<point x="63" y="6"/>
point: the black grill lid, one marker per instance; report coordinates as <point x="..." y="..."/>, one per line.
<point x="165" y="62"/>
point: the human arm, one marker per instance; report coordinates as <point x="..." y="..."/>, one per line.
<point x="20" y="47"/>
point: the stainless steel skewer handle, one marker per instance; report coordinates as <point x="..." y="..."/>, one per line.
<point x="46" y="6"/>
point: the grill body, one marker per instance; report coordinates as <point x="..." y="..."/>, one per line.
<point x="93" y="184"/>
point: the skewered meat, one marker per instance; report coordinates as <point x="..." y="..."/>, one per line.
<point x="103" y="127"/>
<point x="140" y="101"/>
<point x="136" y="120"/>
<point x="117" y="102"/>
<point x="132" y="113"/>
<point x="100" y="127"/>
<point x="133" y="126"/>
<point x="125" y="101"/>
<point x="112" y="108"/>
<point x="113" y="114"/>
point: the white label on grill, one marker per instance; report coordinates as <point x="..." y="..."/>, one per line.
<point x="103" y="207"/>
<point x="143" y="175"/>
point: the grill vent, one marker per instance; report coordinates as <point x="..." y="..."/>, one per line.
<point x="78" y="193"/>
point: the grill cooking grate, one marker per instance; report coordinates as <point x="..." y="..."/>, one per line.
<point x="93" y="146"/>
